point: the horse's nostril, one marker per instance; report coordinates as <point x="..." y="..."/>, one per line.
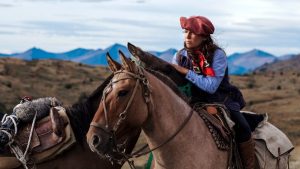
<point x="96" y="140"/>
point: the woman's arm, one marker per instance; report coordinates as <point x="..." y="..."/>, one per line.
<point x="208" y="83"/>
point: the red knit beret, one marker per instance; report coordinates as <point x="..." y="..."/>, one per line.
<point x="197" y="24"/>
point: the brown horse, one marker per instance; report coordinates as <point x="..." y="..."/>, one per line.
<point x="150" y="61"/>
<point x="135" y="97"/>
<point x="79" y="156"/>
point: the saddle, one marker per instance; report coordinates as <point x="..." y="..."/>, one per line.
<point x="47" y="133"/>
<point x="215" y="116"/>
<point x="51" y="135"/>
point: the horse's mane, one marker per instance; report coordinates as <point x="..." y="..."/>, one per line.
<point x="166" y="80"/>
<point x="82" y="112"/>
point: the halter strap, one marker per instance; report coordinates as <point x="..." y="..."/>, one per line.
<point x="186" y="120"/>
<point x="122" y="116"/>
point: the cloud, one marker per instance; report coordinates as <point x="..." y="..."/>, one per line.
<point x="88" y="1"/>
<point x="62" y="28"/>
<point x="6" y="32"/>
<point x="138" y="1"/>
<point x="55" y="28"/>
<point x="70" y="0"/>
<point x="5" y="5"/>
<point x="273" y="33"/>
<point x="137" y="23"/>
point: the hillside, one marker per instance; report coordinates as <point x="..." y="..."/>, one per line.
<point x="65" y="80"/>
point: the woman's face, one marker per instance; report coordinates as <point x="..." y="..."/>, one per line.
<point x="191" y="39"/>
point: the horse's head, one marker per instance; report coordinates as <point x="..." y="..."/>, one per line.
<point x="122" y="109"/>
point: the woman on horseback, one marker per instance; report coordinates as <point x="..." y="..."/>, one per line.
<point x="205" y="65"/>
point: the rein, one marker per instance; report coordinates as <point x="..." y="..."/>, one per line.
<point x="140" y="77"/>
<point x="186" y="120"/>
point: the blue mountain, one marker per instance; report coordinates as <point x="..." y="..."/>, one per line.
<point x="72" y="54"/>
<point x="242" y="63"/>
<point x="286" y="57"/>
<point x="4" y="55"/>
<point x="35" y="53"/>
<point x="98" y="57"/>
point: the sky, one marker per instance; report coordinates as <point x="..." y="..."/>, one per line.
<point x="63" y="25"/>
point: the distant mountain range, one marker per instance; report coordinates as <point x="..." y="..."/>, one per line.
<point x="86" y="56"/>
<point x="239" y="63"/>
<point x="242" y="63"/>
<point x="291" y="64"/>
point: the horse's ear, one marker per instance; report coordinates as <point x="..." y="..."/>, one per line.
<point x="127" y="64"/>
<point x="133" y="50"/>
<point x="113" y="65"/>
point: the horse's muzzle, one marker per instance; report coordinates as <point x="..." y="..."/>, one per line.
<point x="95" y="142"/>
<point x="99" y="142"/>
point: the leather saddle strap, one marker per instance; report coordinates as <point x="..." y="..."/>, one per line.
<point x="216" y="123"/>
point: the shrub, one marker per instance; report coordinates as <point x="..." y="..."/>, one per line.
<point x="278" y="87"/>
<point x="250" y="103"/>
<point x="68" y="86"/>
<point x="251" y="84"/>
<point x="293" y="81"/>
<point x="7" y="84"/>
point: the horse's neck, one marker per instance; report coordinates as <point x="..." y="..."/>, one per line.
<point x="169" y="112"/>
<point x="80" y="116"/>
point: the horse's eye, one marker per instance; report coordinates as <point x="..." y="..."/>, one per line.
<point x="122" y="93"/>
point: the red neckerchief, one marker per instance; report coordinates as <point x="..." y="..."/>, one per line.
<point x="205" y="67"/>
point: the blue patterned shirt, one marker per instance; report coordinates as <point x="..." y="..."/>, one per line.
<point x="208" y="83"/>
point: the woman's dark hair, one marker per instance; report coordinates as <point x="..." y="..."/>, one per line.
<point x="208" y="48"/>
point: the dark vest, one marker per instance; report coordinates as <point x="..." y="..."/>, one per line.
<point x="226" y="92"/>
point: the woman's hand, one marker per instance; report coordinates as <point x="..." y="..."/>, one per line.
<point x="180" y="69"/>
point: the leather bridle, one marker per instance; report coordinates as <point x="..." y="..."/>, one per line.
<point x="140" y="79"/>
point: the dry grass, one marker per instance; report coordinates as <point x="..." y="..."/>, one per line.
<point x="68" y="81"/>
